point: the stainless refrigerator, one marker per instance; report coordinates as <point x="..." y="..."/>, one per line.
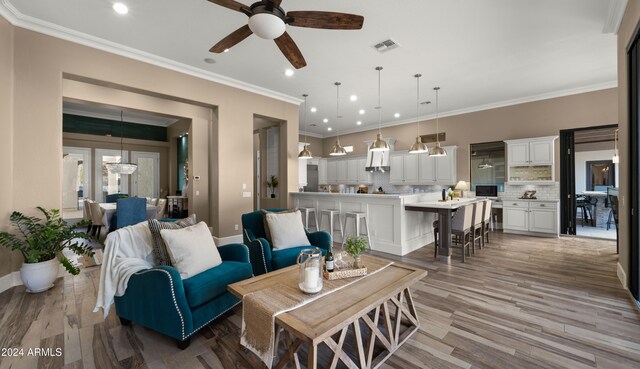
<point x="312" y="178"/>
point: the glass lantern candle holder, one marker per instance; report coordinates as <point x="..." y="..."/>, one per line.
<point x="310" y="270"/>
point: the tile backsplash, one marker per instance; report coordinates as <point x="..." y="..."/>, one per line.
<point x="543" y="192"/>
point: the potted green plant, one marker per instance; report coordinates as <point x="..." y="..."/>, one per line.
<point x="272" y="183"/>
<point x="355" y="246"/>
<point x="41" y="241"/>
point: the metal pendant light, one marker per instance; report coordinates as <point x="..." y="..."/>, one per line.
<point x="121" y="167"/>
<point x="305" y="153"/>
<point x="616" y="158"/>
<point x="337" y="149"/>
<point x="418" y="147"/>
<point x="379" y="144"/>
<point x="437" y="151"/>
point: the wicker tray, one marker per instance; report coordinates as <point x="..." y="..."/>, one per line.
<point x="345" y="273"/>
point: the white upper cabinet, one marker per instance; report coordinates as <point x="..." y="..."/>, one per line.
<point x="322" y="171"/>
<point x="352" y="171"/>
<point x="411" y="169"/>
<point x="396" y="162"/>
<point x="341" y="171"/>
<point x="364" y="176"/>
<point x="518" y="153"/>
<point x="332" y="172"/>
<point x="531" y="160"/>
<point x="427" y="169"/>
<point x="541" y="152"/>
<point x="446" y="168"/>
<point x="422" y="169"/>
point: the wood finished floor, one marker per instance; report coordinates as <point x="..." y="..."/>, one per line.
<point x="520" y="303"/>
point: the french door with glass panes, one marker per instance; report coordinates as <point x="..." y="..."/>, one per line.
<point x="106" y="182"/>
<point x="76" y="174"/>
<point x="145" y="182"/>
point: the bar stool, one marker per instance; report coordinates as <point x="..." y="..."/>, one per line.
<point x="357" y="217"/>
<point x="305" y="217"/>
<point x="330" y="214"/>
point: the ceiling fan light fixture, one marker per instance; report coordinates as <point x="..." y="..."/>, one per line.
<point x="266" y="26"/>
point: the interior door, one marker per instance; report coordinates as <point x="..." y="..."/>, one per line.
<point x="634" y="161"/>
<point x="567" y="183"/>
<point x="145" y="182"/>
<point x="106" y="182"/>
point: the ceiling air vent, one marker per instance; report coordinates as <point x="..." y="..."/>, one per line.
<point x="385" y="45"/>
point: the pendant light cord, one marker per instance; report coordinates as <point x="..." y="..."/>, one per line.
<point x="437" y="117"/>
<point x="379" y="69"/>
<point x="338" y="109"/>
<point x="305" y="119"/>
<point x="418" y="102"/>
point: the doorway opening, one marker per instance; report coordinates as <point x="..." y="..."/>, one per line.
<point x="588" y="180"/>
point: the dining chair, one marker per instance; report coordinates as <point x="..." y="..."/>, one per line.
<point x="115" y="196"/>
<point x="130" y="211"/>
<point x="478" y="220"/>
<point x="86" y="213"/>
<point x="97" y="218"/>
<point x="161" y="207"/>
<point x="486" y="223"/>
<point x="461" y="226"/>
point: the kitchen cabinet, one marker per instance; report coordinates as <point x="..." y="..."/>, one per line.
<point x="422" y="169"/>
<point x="531" y="160"/>
<point x="352" y="171"/>
<point x="332" y="172"/>
<point x="364" y="176"/>
<point x="341" y="171"/>
<point x="322" y="171"/>
<point x="531" y="217"/>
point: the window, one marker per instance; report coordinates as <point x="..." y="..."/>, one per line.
<point x="487" y="164"/>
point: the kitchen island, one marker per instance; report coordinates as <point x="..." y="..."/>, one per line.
<point x="392" y="229"/>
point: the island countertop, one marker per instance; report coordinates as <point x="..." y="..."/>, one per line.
<point x="359" y="195"/>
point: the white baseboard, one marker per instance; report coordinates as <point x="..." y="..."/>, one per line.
<point x="227" y="240"/>
<point x="622" y="276"/>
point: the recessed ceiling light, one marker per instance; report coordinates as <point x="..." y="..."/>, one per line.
<point x="361" y="111"/>
<point x="325" y="120"/>
<point x="397" y="115"/>
<point x="209" y="60"/>
<point x="353" y="97"/>
<point x="313" y="109"/>
<point x="120" y="8"/>
<point x="359" y="122"/>
<point x="226" y="51"/>
<point x="329" y="129"/>
<point x="288" y="72"/>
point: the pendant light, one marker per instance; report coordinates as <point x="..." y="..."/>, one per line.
<point x="337" y="149"/>
<point x="121" y="167"/>
<point x="418" y="147"/>
<point x="616" y="157"/>
<point x="305" y="153"/>
<point x="437" y="151"/>
<point x="379" y="144"/>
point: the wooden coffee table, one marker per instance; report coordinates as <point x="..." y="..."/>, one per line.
<point x="361" y="324"/>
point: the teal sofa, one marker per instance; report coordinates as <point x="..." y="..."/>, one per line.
<point x="263" y="257"/>
<point x="159" y="299"/>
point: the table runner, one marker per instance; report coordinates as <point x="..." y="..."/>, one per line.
<point x="260" y="308"/>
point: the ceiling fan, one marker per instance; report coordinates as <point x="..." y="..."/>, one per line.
<point x="268" y="20"/>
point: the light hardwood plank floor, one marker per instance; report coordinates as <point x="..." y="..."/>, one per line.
<point x="522" y="302"/>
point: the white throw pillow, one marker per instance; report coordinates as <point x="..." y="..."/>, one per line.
<point x="192" y="249"/>
<point x="287" y="230"/>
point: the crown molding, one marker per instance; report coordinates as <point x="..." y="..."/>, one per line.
<point x="311" y="134"/>
<point x="477" y="108"/>
<point x="615" y="12"/>
<point x="17" y="19"/>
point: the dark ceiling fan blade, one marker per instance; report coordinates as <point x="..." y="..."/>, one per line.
<point x="232" y="39"/>
<point x="290" y="50"/>
<point x="231" y="4"/>
<point x="326" y="20"/>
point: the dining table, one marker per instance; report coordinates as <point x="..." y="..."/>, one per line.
<point x="109" y="208"/>
<point x="444" y="209"/>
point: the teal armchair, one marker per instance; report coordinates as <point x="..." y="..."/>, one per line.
<point x="263" y="257"/>
<point x="159" y="299"/>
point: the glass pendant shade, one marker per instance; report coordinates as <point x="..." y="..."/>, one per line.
<point x="121" y="167"/>
<point x="379" y="144"/>
<point x="305" y="153"/>
<point x="418" y="147"/>
<point x="337" y="149"/>
<point x="438" y="151"/>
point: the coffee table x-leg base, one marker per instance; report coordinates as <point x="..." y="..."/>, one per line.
<point x="384" y="328"/>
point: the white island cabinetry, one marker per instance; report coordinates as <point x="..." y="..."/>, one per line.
<point x="392" y="228"/>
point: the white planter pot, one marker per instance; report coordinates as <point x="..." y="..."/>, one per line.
<point x="39" y="277"/>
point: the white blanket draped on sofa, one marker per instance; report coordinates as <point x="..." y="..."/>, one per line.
<point x="127" y="251"/>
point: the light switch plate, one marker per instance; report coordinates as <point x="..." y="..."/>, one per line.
<point x="246" y="194"/>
